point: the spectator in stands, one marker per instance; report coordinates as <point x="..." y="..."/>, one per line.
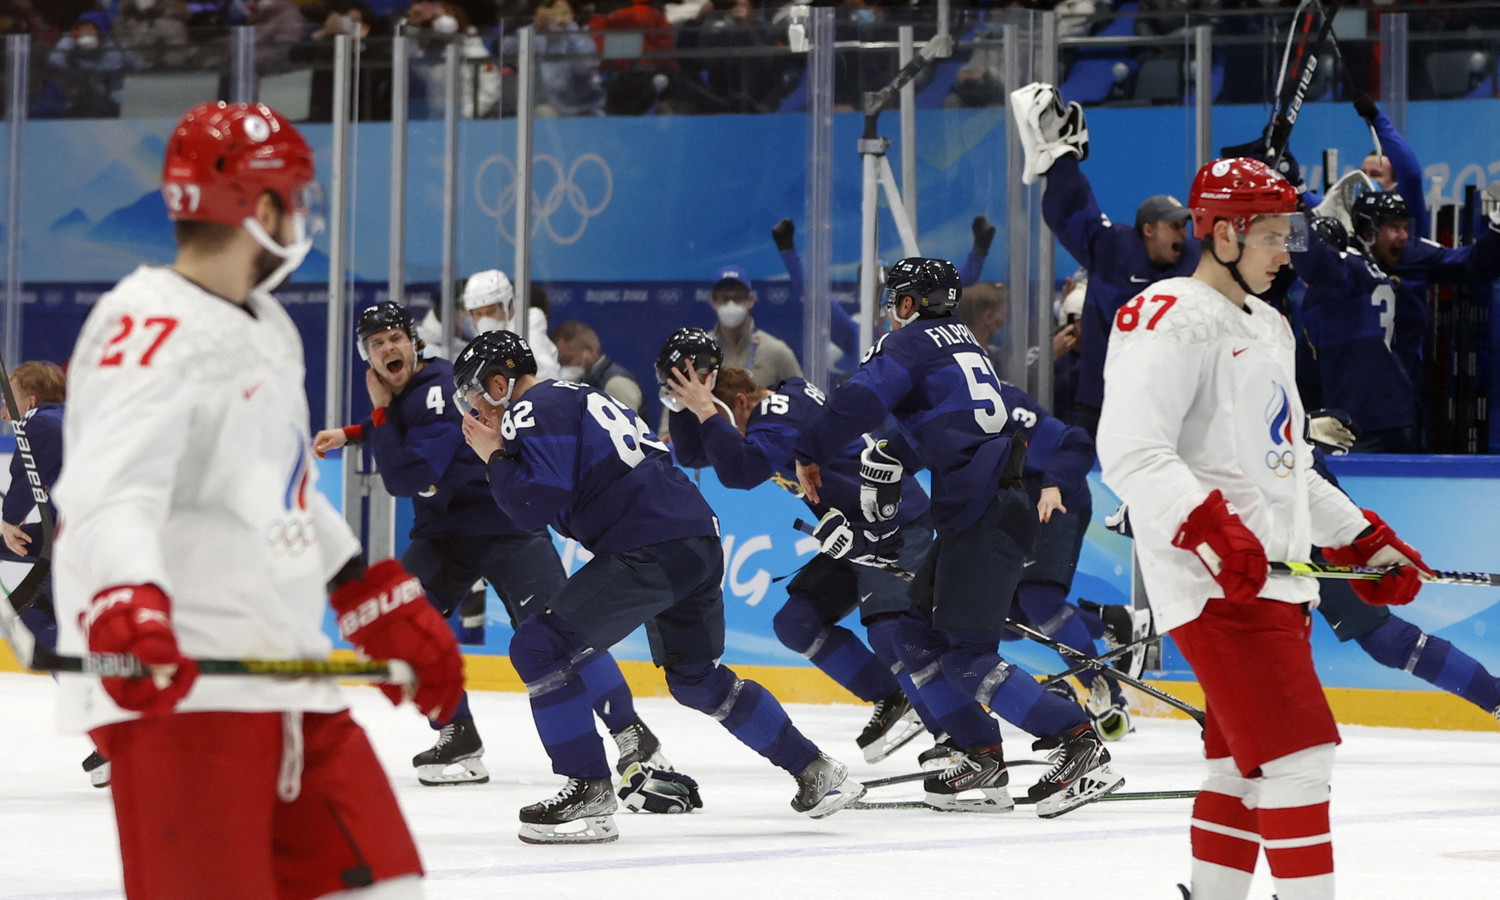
<point x="583" y="362"/>
<point x="1067" y="345"/>
<point x="279" y="26"/>
<point x="733" y="83"/>
<point x="982" y="309"/>
<point x="1395" y="168"/>
<point x="90" y="68"/>
<point x="434" y="23"/>
<point x="155" y="31"/>
<point x="568" y="81"/>
<point x="634" y="86"/>
<point x="359" y="20"/>
<point x="744" y="346"/>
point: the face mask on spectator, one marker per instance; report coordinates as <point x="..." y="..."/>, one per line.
<point x="488" y="323"/>
<point x="87" y="41"/>
<point x="445" y="25"/>
<point x="731" y="314"/>
<point x="144" y="5"/>
<point x="572" y="373"/>
<point x="863" y="16"/>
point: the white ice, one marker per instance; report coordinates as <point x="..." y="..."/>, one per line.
<point x="1416" y="815"/>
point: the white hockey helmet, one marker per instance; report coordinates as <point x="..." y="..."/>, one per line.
<point x="490" y="287"/>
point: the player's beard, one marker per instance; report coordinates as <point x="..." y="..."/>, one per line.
<point x="266" y="262"/>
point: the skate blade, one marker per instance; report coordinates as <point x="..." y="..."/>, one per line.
<point x="588" y="830"/>
<point x="1091" y="786"/>
<point x="902" y="733"/>
<point x="99" y="777"/>
<point x="979" y="800"/>
<point x="835" y="800"/>
<point x="466" y="771"/>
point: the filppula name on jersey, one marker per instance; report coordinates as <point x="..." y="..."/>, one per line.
<point x="950" y="335"/>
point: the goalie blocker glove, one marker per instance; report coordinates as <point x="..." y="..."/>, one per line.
<point x="1379" y="546"/>
<point x="385" y="614"/>
<point x="1230" y="551"/>
<point x="137" y="620"/>
<point x="650" y="790"/>
<point x="1048" y="130"/>
<point x="880" y="482"/>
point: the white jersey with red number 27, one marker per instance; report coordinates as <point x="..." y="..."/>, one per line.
<point x="1200" y="395"/>
<point x="188" y="466"/>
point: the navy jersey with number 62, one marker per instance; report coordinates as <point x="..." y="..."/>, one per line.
<point x="934" y="378"/>
<point x="582" y="462"/>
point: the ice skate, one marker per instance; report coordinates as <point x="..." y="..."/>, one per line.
<point x="940" y="755"/>
<point x="979" y="774"/>
<point x="1079" y="774"/>
<point x="824" y="788"/>
<point x="892" y="724"/>
<point x="580" y="813"/>
<point x="638" y="746"/>
<point x="454" y="759"/>
<point x="1107" y="707"/>
<point x="98" y="768"/>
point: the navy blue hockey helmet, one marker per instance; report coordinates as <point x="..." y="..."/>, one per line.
<point x="686" y="344"/>
<point x="1374" y="208"/>
<point x="492" y="353"/>
<point x="933" y="283"/>
<point x="384" y="317"/>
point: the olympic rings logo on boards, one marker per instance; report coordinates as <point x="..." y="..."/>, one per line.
<point x="564" y="192"/>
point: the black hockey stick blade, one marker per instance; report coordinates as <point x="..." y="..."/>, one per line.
<point x="1123" y="678"/>
<point x="1027" y="801"/>
<point x="1375" y="573"/>
<point x="30" y="589"/>
<point x="889" y="568"/>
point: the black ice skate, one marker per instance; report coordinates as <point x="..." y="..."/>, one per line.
<point x="940" y="755"/>
<point x="638" y="746"/>
<point x="454" y="759"/>
<point x="975" y="783"/>
<point x="824" y="788"/>
<point x="1079" y="774"/>
<point x="892" y="724"/>
<point x="581" y="813"/>
<point x="98" y="768"/>
<point x="1108" y="708"/>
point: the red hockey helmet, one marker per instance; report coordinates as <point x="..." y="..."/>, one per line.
<point x="223" y="155"/>
<point x="1238" y="189"/>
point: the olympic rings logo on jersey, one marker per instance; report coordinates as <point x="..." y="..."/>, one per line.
<point x="588" y="177"/>
<point x="290" y="537"/>
<point x="1282" y="464"/>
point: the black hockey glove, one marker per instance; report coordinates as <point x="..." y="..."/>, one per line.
<point x="644" y="789"/>
<point x="784" y="233"/>
<point x="875" y="549"/>
<point x="1364" y="104"/>
<point x="984" y="235"/>
<point x="1119" y="521"/>
<point x="880" y="482"/>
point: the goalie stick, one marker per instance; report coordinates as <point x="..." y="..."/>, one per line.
<point x="26" y="593"/>
<point x="1375" y="573"/>
<point x="1027" y="801"/>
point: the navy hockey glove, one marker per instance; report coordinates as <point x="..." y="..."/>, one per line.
<point x="1364" y="104"/>
<point x="880" y="487"/>
<point x="644" y="789"/>
<point x="1378" y="545"/>
<point x="783" y="233"/>
<point x="984" y="235"/>
<point x="137" y="619"/>
<point x="872" y="549"/>
<point x="1331" y="429"/>
<point x="1230" y="551"/>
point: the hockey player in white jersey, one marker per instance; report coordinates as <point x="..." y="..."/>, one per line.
<point x="1201" y="434"/>
<point x="191" y="528"/>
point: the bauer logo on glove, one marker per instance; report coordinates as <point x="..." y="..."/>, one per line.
<point x="644" y="789"/>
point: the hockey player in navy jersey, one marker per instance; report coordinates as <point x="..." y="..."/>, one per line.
<point x="458" y="534"/>
<point x="932" y="376"/>
<point x="745" y="432"/>
<point x="568" y="455"/>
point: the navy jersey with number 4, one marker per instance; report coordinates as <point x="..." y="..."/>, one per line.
<point x="934" y="378"/>
<point x="764" y="452"/>
<point x="580" y="461"/>
<point x="420" y="451"/>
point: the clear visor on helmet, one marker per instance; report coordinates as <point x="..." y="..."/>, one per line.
<point x="471" y="401"/>
<point x="1277" y="234"/>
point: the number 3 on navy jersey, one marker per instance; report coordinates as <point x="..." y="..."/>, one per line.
<point x="631" y="438"/>
<point x="984" y="389"/>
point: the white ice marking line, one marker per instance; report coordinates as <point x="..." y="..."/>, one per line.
<point x="600" y="865"/>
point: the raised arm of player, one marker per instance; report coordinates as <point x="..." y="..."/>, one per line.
<point x="742" y="462"/>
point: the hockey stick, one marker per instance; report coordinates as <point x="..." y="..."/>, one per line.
<point x="1375" y="573"/>
<point x="1297" y="72"/>
<point x="891" y="568"/>
<point x="1092" y="662"/>
<point x="26" y="593"/>
<point x="918" y="776"/>
<point x="1103" y="657"/>
<point x="1027" y="801"/>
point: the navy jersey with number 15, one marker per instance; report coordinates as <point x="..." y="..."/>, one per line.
<point x="934" y="378"/>
<point x="582" y="462"/>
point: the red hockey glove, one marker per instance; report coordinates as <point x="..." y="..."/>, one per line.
<point x="137" y="619"/>
<point x="1379" y="546"/>
<point x="1230" y="551"/>
<point x="386" y="615"/>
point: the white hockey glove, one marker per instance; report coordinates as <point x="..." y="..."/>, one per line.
<point x="645" y="789"/>
<point x="833" y="534"/>
<point x="1119" y="521"/>
<point x="1331" y="429"/>
<point x="880" y="482"/>
<point x="1048" y="130"/>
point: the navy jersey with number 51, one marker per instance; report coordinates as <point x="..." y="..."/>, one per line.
<point x="582" y="462"/>
<point x="934" y="378"/>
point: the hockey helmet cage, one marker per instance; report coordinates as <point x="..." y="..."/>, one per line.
<point x="493" y="353"/>
<point x="222" y="156"/>
<point x="686" y="344"/>
<point x="1372" y="209"/>
<point x="384" y="317"/>
<point x="933" y="283"/>
<point x="490" y="287"/>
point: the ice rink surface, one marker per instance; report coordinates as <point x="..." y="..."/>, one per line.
<point x="1416" y="815"/>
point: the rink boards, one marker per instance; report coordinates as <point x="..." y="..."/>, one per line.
<point x="1447" y="507"/>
